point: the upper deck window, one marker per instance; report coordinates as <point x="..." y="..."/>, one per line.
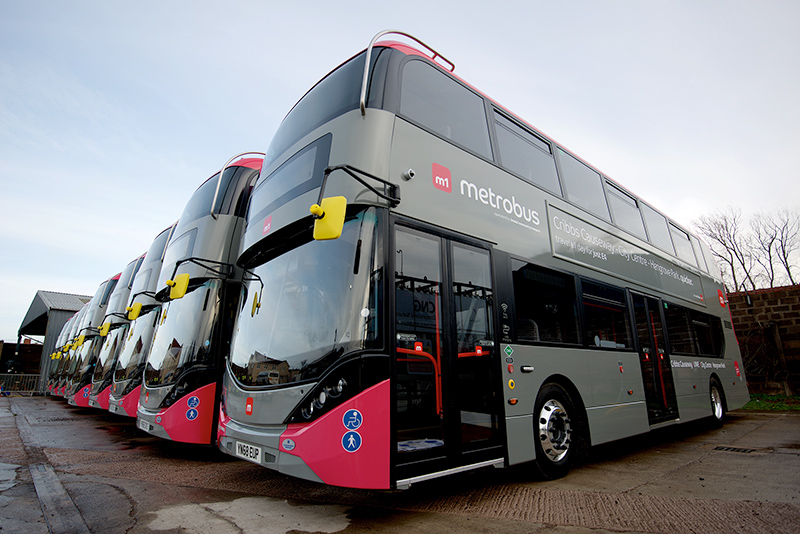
<point x="682" y="245"/>
<point x="583" y="186"/>
<point x="525" y="154"/>
<point x="625" y="210"/>
<point x="437" y="102"/>
<point x="657" y="229"/>
<point x="334" y="95"/>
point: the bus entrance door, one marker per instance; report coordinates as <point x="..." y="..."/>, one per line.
<point x="655" y="362"/>
<point x="446" y="412"/>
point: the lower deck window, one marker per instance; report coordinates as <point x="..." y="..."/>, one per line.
<point x="545" y="304"/>
<point x="606" y="315"/>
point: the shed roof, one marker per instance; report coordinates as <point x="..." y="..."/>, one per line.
<point x="35" y="321"/>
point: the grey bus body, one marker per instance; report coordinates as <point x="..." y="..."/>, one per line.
<point x="113" y="331"/>
<point x="179" y="395"/>
<point x="135" y="344"/>
<point x="60" y="353"/>
<point x="79" y="379"/>
<point x="492" y="299"/>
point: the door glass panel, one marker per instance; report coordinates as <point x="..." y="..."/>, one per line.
<point x="418" y="288"/>
<point x="473" y="301"/>
<point x="655" y="362"/>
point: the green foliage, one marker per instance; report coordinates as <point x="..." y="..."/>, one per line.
<point x="773" y="403"/>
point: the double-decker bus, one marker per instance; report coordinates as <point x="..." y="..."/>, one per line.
<point x="199" y="287"/>
<point x="87" y="347"/>
<point x="113" y="331"/>
<point x="432" y="286"/>
<point x="68" y="352"/>
<point x="60" y="354"/>
<point x="142" y="312"/>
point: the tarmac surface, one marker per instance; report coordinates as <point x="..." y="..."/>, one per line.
<point x="72" y="470"/>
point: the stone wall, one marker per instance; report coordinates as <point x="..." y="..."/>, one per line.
<point x="767" y="325"/>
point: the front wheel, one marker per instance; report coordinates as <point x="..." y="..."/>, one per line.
<point x="717" y="398"/>
<point x="555" y="432"/>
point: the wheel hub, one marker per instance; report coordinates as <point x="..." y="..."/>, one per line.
<point x="554" y="430"/>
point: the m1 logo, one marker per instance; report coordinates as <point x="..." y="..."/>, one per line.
<point x="248" y="406"/>
<point x="721" y="297"/>
<point x="267" y="225"/>
<point x="442" y="179"/>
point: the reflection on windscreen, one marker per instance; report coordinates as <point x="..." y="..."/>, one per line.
<point x="317" y="304"/>
<point x="135" y="344"/>
<point x="184" y="334"/>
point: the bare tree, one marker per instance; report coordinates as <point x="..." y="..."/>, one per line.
<point x="787" y="239"/>
<point x="765" y="236"/>
<point x="728" y="242"/>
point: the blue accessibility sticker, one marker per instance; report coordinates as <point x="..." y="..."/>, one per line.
<point x="351" y="441"/>
<point x="352" y="419"/>
<point x="193" y="402"/>
<point x="191" y="414"/>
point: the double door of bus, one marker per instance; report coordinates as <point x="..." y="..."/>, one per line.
<point x="446" y="408"/>
<point x="654" y="360"/>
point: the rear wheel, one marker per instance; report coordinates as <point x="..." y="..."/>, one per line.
<point x="555" y="432"/>
<point x="717" y="398"/>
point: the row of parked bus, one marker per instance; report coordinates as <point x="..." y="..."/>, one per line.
<point x="514" y="305"/>
<point x="149" y="343"/>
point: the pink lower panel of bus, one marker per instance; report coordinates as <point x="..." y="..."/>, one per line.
<point x="190" y="419"/>
<point x="81" y="398"/>
<point x="350" y="445"/>
<point x="102" y="398"/>
<point x="130" y="402"/>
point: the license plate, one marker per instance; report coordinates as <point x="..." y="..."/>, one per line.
<point x="144" y="425"/>
<point x="248" y="452"/>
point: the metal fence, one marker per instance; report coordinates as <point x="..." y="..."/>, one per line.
<point x="14" y="384"/>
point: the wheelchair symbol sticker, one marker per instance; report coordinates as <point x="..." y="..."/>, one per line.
<point x="352" y="419"/>
<point x="351" y="441"/>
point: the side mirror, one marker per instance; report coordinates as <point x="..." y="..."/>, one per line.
<point x="80" y="341"/>
<point x="256" y="305"/>
<point x="104" y="329"/>
<point x="134" y="311"/>
<point x="329" y="215"/>
<point x="178" y="286"/>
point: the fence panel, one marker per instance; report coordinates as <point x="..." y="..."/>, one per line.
<point x="19" y="384"/>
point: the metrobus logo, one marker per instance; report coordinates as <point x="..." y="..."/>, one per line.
<point x="514" y="211"/>
<point x="442" y="179"/>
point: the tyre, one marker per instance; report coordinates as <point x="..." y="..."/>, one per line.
<point x="556" y="436"/>
<point x="718" y="406"/>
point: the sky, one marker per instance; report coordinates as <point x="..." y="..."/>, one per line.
<point x="112" y="113"/>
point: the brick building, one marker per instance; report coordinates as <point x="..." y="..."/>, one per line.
<point x="767" y="325"/>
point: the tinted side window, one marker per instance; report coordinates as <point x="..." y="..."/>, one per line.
<point x="683" y="247"/>
<point x="679" y="331"/>
<point x="657" y="228"/>
<point x="583" y="186"/>
<point x="708" y="331"/>
<point x="437" y="102"/>
<point x="625" y="211"/>
<point x="606" y="314"/>
<point x="525" y="154"/>
<point x="546" y="306"/>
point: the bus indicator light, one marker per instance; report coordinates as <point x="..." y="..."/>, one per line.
<point x="442" y="179"/>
